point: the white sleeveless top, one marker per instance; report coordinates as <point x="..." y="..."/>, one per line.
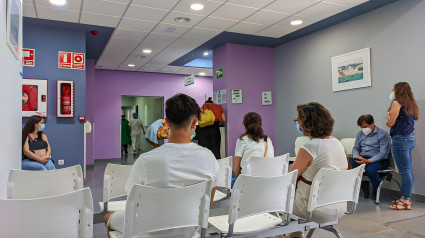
<point x="329" y="154"/>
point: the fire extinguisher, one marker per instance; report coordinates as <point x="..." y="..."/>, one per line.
<point x="66" y="99"/>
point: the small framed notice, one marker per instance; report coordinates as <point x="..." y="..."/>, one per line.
<point x="236" y="96"/>
<point x="266" y="98"/>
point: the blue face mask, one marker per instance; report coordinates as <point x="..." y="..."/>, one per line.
<point x="298" y="128"/>
<point x="42" y="127"/>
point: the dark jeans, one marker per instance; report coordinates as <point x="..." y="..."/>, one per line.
<point x="401" y="148"/>
<point x="210" y="138"/>
<point x="371" y="170"/>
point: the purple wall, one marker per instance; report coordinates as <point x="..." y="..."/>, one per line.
<point x="104" y="100"/>
<point x="251" y="69"/>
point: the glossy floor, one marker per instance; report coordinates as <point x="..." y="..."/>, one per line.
<point x="370" y="220"/>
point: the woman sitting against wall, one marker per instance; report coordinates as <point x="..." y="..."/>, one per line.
<point x="322" y="151"/>
<point x="35" y="146"/>
<point x="253" y="143"/>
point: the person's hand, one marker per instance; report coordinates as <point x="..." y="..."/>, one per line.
<point x="44" y="159"/>
<point x="388" y="116"/>
<point x="361" y="160"/>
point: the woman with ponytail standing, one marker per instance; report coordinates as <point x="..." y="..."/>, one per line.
<point x="253" y="143"/>
<point x="401" y="118"/>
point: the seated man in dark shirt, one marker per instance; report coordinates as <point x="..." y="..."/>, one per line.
<point x="372" y="148"/>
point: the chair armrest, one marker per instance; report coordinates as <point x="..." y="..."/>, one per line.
<point x="386" y="170"/>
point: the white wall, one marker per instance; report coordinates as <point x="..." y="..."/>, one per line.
<point x="10" y="107"/>
<point x="395" y="33"/>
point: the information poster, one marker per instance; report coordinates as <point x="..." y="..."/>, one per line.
<point x="236" y="96"/>
<point x="189" y="80"/>
<point x="219" y="97"/>
<point x="267" y="98"/>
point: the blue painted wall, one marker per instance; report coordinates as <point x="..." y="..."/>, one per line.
<point x="65" y="134"/>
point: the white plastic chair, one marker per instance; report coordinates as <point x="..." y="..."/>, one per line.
<point x="114" y="181"/>
<point x="299" y="142"/>
<point x="348" y="144"/>
<point x="25" y="184"/>
<point x="267" y="167"/>
<point x="67" y="215"/>
<point x="224" y="178"/>
<point x="150" y="209"/>
<point x="331" y="187"/>
<point x="252" y="200"/>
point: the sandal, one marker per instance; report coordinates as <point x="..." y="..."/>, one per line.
<point x="401" y="206"/>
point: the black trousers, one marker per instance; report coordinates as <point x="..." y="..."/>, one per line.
<point x="210" y="138"/>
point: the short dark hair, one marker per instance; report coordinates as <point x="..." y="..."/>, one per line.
<point x="179" y="109"/>
<point x="365" y="118"/>
<point x="315" y="120"/>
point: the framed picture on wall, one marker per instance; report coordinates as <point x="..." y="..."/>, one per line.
<point x="13" y="26"/>
<point x="34" y="97"/>
<point x="351" y="70"/>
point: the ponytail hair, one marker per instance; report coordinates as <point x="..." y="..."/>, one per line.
<point x="253" y="129"/>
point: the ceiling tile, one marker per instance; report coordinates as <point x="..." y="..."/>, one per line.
<point x="151" y="67"/>
<point x="156" y="42"/>
<point x="350" y="3"/>
<point x="130" y="34"/>
<point x="290" y="6"/>
<point x="99" y="20"/>
<point x="104" y="7"/>
<point x="216" y="23"/>
<point x="58" y="14"/>
<point x="163" y="59"/>
<point x="29" y="11"/>
<point x="28" y="2"/>
<point x="162" y="4"/>
<point x="179" y="30"/>
<point x="194" y="19"/>
<point x="246" y="28"/>
<point x="74" y="5"/>
<point x="209" y="7"/>
<point x="137" y="61"/>
<point x="145" y="13"/>
<point x="275" y="32"/>
<point x="306" y="21"/>
<point x="202" y="33"/>
<point x="251" y="3"/>
<point x="323" y="10"/>
<point x="233" y="12"/>
<point x="121" y="1"/>
<point x="266" y="17"/>
<point x="136" y="25"/>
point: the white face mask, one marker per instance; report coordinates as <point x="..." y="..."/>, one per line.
<point x="392" y="96"/>
<point x="366" y="130"/>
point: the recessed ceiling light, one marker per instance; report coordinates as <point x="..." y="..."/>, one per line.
<point x="197" y="6"/>
<point x="131" y="65"/>
<point x="296" y="22"/>
<point x="170" y="29"/>
<point x="182" y="19"/>
<point x="205" y="53"/>
<point x="202" y="73"/>
<point x="147" y="51"/>
<point x="58" y="2"/>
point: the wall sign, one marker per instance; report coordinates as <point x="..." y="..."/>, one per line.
<point x="34" y="97"/>
<point x="219" y="73"/>
<point x="236" y="96"/>
<point x="28" y="57"/>
<point x="71" y="60"/>
<point x="189" y="80"/>
<point x="219" y="96"/>
<point x="266" y="97"/>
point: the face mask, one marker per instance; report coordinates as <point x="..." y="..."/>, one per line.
<point x="42" y="127"/>
<point x="298" y="128"/>
<point x="366" y="130"/>
<point x="392" y="96"/>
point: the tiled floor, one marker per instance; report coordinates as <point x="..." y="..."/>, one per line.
<point x="369" y="220"/>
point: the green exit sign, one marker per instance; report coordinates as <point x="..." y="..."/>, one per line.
<point x="220" y="73"/>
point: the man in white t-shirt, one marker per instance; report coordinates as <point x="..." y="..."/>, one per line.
<point x="136" y="128"/>
<point x="175" y="164"/>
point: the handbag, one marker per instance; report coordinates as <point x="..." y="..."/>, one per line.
<point x="162" y="133"/>
<point x="207" y="118"/>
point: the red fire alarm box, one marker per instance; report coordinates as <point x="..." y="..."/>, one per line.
<point x="65" y="98"/>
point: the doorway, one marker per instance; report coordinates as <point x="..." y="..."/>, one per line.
<point x="148" y="109"/>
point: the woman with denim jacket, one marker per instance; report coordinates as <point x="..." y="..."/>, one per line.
<point x="401" y="118"/>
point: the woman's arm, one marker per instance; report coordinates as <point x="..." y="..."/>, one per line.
<point x="237" y="165"/>
<point x="48" y="150"/>
<point x="223" y="117"/>
<point x="302" y="161"/>
<point x="31" y="155"/>
<point x="143" y="128"/>
<point x="393" y="113"/>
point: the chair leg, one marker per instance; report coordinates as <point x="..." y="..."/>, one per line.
<point x="333" y="230"/>
<point x="378" y="192"/>
<point x="203" y="232"/>
<point x="310" y="233"/>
